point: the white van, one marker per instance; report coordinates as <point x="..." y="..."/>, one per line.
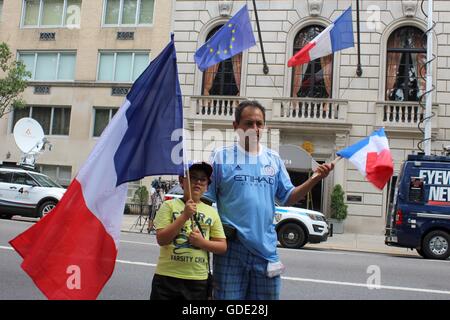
<point x="27" y="193"/>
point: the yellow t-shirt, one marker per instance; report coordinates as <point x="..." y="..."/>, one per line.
<point x="179" y="259"/>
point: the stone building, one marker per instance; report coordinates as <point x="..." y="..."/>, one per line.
<point x="83" y="55"/>
<point x="322" y="106"/>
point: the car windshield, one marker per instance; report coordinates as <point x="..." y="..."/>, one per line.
<point x="45" y="181"/>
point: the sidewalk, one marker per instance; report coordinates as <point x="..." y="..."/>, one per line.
<point x="362" y="243"/>
<point x="346" y="241"/>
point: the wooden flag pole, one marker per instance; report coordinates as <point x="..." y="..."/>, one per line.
<point x="334" y="162"/>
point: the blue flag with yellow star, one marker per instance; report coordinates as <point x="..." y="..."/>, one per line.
<point x="234" y="37"/>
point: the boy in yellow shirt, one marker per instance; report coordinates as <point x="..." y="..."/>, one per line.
<point x="182" y="269"/>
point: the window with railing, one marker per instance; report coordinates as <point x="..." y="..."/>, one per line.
<point x="102" y="117"/>
<point x="406" y="57"/>
<point x="128" y="12"/>
<point x="49" y="66"/>
<point x="51" y="13"/>
<point x="54" y="120"/>
<point x="224" y="78"/>
<point x="315" y="79"/>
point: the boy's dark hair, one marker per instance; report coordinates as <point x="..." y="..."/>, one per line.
<point x="247" y="103"/>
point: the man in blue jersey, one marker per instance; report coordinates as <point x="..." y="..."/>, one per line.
<point x="247" y="177"/>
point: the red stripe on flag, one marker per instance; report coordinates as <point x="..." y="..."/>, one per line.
<point x="68" y="254"/>
<point x="302" y="56"/>
<point x="379" y="168"/>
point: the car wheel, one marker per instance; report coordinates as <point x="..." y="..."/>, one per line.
<point x="46" y="207"/>
<point x="436" y="245"/>
<point x="291" y="235"/>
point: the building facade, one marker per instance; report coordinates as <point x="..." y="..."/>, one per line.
<point x="83" y="56"/>
<point x="323" y="106"/>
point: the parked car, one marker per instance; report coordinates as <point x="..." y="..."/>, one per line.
<point x="295" y="227"/>
<point x="27" y="193"/>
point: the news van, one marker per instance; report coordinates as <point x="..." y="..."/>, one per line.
<point x="419" y="217"/>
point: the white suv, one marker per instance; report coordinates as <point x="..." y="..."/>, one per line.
<point x="295" y="227"/>
<point x="27" y="193"/>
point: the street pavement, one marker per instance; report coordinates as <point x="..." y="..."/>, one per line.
<point x="312" y="273"/>
<point x="346" y="241"/>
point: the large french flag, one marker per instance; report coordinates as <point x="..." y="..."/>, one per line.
<point x="372" y="157"/>
<point x="71" y="252"/>
<point x="337" y="36"/>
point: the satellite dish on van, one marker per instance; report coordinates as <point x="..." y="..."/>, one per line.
<point x="30" y="139"/>
<point x="29" y="135"/>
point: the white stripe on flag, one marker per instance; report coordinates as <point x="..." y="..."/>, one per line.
<point x="323" y="45"/>
<point x="376" y="144"/>
<point x="98" y="176"/>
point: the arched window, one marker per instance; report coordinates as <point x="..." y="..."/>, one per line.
<point x="406" y="57"/>
<point x="224" y="78"/>
<point x="314" y="79"/>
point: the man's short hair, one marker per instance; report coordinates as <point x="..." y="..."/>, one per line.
<point x="248" y="103"/>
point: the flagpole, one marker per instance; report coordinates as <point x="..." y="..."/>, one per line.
<point x="334" y="162"/>
<point x="266" y="67"/>
<point x="359" y="70"/>
<point x="429" y="97"/>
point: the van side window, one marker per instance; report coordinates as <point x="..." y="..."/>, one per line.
<point x="23" y="178"/>
<point x="416" y="190"/>
<point x="5" y="177"/>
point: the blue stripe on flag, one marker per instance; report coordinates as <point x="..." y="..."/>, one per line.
<point x="154" y="114"/>
<point x="351" y="150"/>
<point x="342" y="32"/>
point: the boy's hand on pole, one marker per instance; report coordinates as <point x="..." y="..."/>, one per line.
<point x="190" y="208"/>
<point x="196" y="238"/>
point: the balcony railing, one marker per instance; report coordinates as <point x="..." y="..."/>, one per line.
<point x="310" y="110"/>
<point x="402" y="115"/>
<point x="214" y="107"/>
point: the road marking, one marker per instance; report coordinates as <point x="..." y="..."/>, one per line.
<point x="137" y="263"/>
<point x="136" y="242"/>
<point x="364" y="285"/>
<point x="351" y="284"/>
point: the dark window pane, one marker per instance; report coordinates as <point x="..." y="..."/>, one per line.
<point x="5" y="177"/>
<point x="43" y="116"/>
<point x="19" y="114"/>
<point x="101" y="121"/>
<point x="315" y="78"/>
<point x="23" y="178"/>
<point x="61" y="121"/>
<point x="222" y="79"/>
<point x="406" y="57"/>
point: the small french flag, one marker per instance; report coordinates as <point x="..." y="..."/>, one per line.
<point x="372" y="157"/>
<point x="337" y="36"/>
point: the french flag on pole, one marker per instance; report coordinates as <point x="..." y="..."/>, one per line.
<point x="337" y="36"/>
<point x="372" y="157"/>
<point x="71" y="252"/>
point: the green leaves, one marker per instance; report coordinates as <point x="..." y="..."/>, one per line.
<point x="338" y="207"/>
<point x="12" y="81"/>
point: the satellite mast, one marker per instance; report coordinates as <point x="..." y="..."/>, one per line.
<point x="429" y="88"/>
<point x="30" y="139"/>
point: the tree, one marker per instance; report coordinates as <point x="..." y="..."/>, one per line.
<point x="338" y="207"/>
<point x="12" y="81"/>
<point x="141" y="196"/>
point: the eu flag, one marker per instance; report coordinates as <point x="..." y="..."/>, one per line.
<point x="234" y="37"/>
<point x="155" y="112"/>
